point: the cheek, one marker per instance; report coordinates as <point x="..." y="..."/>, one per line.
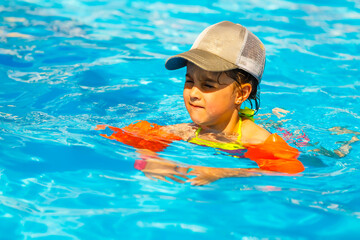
<point x="185" y="94"/>
<point x="214" y="104"/>
<point x="219" y="104"/>
<point x="186" y="98"/>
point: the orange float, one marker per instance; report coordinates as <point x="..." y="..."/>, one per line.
<point x="275" y="155"/>
<point x="142" y="135"/>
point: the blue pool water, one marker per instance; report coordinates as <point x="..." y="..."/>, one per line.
<point x="68" y="65"/>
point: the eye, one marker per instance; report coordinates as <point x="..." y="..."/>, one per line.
<point x="209" y="86"/>
<point x="187" y="80"/>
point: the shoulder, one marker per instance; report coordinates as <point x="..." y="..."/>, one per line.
<point x="183" y="130"/>
<point x="253" y="133"/>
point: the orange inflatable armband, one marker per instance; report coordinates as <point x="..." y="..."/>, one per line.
<point x="275" y="155"/>
<point x="141" y="135"/>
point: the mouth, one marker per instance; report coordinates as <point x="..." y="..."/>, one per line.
<point x="195" y="106"/>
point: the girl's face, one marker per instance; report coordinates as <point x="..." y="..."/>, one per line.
<point x="210" y="98"/>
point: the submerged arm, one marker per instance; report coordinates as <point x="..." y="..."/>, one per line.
<point x="206" y="175"/>
<point x="155" y="167"/>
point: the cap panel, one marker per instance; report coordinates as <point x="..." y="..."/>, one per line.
<point x="224" y="39"/>
<point x="252" y="57"/>
<point x="200" y="37"/>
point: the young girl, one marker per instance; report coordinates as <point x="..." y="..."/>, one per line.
<point x="224" y="69"/>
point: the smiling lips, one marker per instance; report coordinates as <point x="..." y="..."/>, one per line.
<point x="195" y="106"/>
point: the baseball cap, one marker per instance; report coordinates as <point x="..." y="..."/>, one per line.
<point x="221" y="47"/>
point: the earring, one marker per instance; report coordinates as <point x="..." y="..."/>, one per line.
<point x="238" y="102"/>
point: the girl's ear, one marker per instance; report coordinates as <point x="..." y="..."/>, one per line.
<point x="243" y="93"/>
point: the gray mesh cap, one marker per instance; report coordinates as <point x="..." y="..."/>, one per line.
<point x="221" y="47"/>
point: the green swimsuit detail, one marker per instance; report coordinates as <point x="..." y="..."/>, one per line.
<point x="248" y="113"/>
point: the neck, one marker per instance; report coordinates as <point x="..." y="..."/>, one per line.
<point x="229" y="127"/>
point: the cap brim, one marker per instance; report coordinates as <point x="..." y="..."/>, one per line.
<point x="202" y="59"/>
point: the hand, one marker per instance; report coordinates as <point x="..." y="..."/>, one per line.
<point x="206" y="175"/>
<point x="159" y="169"/>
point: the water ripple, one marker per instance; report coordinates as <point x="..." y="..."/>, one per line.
<point x="67" y="66"/>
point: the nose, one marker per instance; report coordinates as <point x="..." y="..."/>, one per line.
<point x="195" y="93"/>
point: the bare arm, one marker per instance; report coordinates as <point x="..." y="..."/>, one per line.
<point x="157" y="168"/>
<point x="183" y="130"/>
<point x="206" y="175"/>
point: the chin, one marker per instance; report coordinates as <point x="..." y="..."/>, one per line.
<point x="199" y="118"/>
<point x="200" y="122"/>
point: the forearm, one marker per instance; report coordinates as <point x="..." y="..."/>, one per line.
<point x="205" y="175"/>
<point x="237" y="172"/>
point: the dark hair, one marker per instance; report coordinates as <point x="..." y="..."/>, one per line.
<point x="241" y="77"/>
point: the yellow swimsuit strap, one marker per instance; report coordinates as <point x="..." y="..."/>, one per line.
<point x="248" y="113"/>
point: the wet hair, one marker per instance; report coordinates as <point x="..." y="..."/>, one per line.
<point x="241" y="77"/>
